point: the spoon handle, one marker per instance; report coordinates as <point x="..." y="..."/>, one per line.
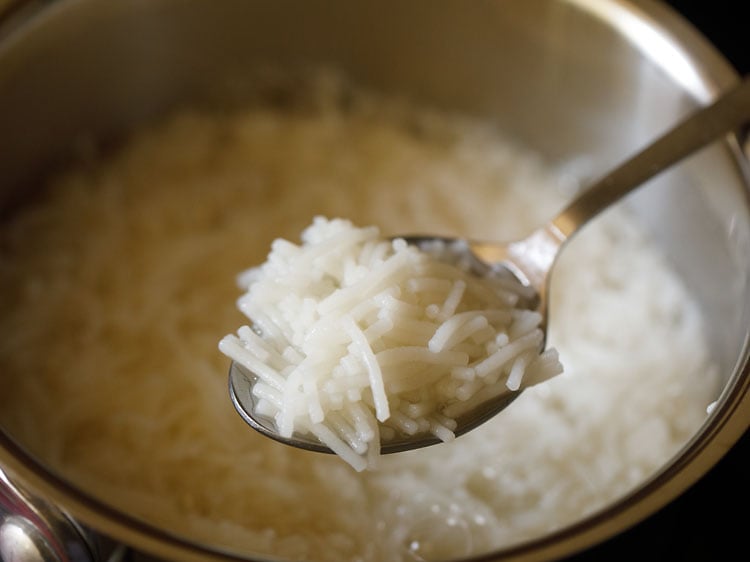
<point x="727" y="113"/>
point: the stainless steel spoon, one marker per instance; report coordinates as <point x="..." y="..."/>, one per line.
<point x="531" y="259"/>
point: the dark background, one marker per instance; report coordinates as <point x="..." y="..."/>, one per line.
<point x="724" y="23"/>
<point x="711" y="520"/>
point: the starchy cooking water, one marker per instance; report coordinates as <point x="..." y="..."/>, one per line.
<point x="117" y="283"/>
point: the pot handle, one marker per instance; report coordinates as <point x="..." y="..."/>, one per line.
<point x="32" y="530"/>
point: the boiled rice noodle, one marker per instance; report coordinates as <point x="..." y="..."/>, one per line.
<point x="117" y="281"/>
<point x="336" y="358"/>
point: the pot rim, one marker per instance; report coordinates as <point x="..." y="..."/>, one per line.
<point x="705" y="72"/>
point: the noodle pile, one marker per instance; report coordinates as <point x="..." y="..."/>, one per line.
<point x="354" y="331"/>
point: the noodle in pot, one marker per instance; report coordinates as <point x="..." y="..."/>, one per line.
<point x="118" y="282"/>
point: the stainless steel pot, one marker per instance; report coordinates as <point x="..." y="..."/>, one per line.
<point x="539" y="68"/>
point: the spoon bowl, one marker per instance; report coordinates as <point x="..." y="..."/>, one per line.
<point x="531" y="259"/>
<point x="241" y="383"/>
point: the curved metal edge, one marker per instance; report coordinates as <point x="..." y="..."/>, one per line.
<point x="65" y="538"/>
<point x="667" y="39"/>
<point x="240" y="386"/>
<point x="26" y="470"/>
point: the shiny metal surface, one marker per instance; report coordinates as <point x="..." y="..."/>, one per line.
<point x="32" y="530"/>
<point x="242" y="380"/>
<point x="21" y="541"/>
<point x="588" y="81"/>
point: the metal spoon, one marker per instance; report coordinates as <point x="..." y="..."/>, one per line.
<point x="531" y="259"/>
